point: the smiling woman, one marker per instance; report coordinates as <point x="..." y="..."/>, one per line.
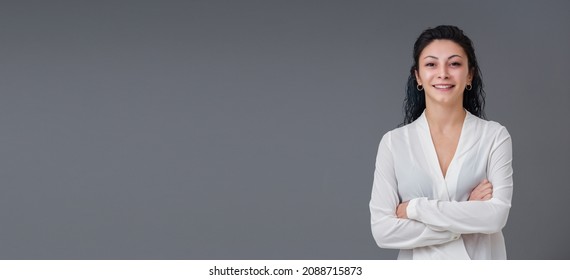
<point x="457" y="44"/>
<point x="444" y="72"/>
<point x="443" y="181"/>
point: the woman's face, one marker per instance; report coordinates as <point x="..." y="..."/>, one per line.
<point x="443" y="73"/>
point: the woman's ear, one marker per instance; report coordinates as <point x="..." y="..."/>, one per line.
<point x="418" y="80"/>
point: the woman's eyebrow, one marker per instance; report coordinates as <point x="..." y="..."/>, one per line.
<point x="452" y="56"/>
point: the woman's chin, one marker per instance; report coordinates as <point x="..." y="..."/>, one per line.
<point x="448" y="98"/>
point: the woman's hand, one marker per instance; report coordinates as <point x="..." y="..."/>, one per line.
<point x="401" y="210"/>
<point x="482" y="192"/>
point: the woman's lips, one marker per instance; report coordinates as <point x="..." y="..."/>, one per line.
<point x="443" y="86"/>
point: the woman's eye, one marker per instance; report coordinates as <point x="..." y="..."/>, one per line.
<point x="430" y="64"/>
<point x="455" y="64"/>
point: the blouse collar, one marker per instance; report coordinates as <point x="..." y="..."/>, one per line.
<point x="422" y="120"/>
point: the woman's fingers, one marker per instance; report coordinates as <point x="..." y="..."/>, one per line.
<point x="483" y="191"/>
<point x="401" y="210"/>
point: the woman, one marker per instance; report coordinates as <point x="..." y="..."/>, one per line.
<point x="443" y="181"/>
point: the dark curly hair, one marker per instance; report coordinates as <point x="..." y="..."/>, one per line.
<point x="473" y="100"/>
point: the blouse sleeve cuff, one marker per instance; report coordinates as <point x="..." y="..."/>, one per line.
<point x="411" y="210"/>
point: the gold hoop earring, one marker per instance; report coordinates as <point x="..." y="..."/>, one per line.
<point x="468" y="87"/>
<point x="420" y="87"/>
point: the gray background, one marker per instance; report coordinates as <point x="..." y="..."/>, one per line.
<point x="249" y="129"/>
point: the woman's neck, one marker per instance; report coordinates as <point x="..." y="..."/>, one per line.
<point x="444" y="118"/>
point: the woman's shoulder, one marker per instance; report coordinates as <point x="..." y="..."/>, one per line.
<point x="489" y="127"/>
<point x="399" y="130"/>
<point x="399" y="134"/>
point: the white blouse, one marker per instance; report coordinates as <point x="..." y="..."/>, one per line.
<point x="441" y="223"/>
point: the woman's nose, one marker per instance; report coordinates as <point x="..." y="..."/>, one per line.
<point x="442" y="72"/>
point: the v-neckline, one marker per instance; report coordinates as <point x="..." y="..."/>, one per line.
<point x="434" y="156"/>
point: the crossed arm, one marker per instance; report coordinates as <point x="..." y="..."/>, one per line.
<point x="482" y="192"/>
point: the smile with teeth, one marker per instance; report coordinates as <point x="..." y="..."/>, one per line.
<point x="443" y="86"/>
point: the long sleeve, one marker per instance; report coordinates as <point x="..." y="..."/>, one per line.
<point x="474" y="216"/>
<point x="388" y="230"/>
